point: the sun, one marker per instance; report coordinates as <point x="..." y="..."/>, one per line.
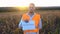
<point x="22" y="8"/>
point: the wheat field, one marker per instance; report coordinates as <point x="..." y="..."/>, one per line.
<point x="50" y="18"/>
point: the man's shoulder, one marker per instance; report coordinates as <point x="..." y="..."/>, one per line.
<point x="37" y="14"/>
<point x="24" y="14"/>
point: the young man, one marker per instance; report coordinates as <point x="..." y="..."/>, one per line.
<point x="31" y="15"/>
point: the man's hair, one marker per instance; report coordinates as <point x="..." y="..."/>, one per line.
<point x="32" y="4"/>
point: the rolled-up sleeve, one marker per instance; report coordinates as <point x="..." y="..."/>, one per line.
<point x="40" y="24"/>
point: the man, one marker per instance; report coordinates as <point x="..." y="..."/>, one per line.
<point x="31" y="15"/>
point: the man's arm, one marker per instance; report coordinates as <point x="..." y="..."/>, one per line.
<point x="20" y="24"/>
<point x="40" y="24"/>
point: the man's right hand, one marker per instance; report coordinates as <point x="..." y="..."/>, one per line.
<point x="26" y="21"/>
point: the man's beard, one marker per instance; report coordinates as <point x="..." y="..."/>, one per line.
<point x="31" y="11"/>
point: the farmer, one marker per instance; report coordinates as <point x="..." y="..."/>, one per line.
<point x="31" y="16"/>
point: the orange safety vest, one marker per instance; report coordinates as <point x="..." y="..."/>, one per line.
<point x="35" y="18"/>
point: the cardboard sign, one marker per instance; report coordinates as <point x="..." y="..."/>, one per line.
<point x="28" y="26"/>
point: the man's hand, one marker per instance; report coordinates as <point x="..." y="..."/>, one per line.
<point x="26" y="21"/>
<point x="40" y="31"/>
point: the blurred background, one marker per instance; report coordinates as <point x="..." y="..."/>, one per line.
<point x="11" y="12"/>
<point x="11" y="16"/>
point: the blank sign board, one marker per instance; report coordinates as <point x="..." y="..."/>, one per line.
<point x="28" y="26"/>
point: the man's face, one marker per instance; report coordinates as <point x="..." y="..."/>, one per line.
<point x="31" y="8"/>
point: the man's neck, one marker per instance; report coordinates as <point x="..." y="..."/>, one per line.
<point x="31" y="13"/>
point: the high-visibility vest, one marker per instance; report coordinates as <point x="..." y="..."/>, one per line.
<point x="35" y="18"/>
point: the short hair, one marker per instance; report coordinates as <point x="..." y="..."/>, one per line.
<point x="32" y="4"/>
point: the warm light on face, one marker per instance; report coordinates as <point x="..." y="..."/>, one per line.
<point x="31" y="7"/>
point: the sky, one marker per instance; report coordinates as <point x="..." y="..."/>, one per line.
<point x="38" y="3"/>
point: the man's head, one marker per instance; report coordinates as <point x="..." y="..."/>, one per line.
<point x="31" y="7"/>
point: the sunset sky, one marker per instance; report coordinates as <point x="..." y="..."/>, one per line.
<point x="40" y="3"/>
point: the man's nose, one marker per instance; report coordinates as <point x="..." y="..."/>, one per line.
<point x="31" y="8"/>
